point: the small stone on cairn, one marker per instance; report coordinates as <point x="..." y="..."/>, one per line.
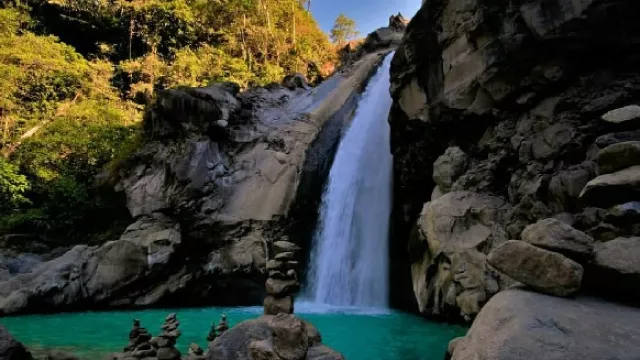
<point x="223" y="325"/>
<point x="167" y="340"/>
<point x="139" y="346"/>
<point x="195" y="353"/>
<point x="283" y="279"/>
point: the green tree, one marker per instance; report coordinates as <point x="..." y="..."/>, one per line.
<point x="344" y="29"/>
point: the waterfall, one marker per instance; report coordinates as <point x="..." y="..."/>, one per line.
<point x="349" y="263"/>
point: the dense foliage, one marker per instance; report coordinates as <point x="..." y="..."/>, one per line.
<point x="344" y="29"/>
<point x="76" y="74"/>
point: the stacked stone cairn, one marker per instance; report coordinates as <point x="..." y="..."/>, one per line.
<point x="139" y="343"/>
<point x="282" y="282"/>
<point x="223" y="325"/>
<point x="167" y="340"/>
<point x="195" y="352"/>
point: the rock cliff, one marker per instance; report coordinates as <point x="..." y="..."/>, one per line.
<point x="505" y="114"/>
<point x="220" y="177"/>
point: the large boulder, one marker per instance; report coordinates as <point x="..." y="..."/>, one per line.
<point x="545" y="271"/>
<point x="281" y="337"/>
<point x="523" y="325"/>
<point x="555" y="235"/>
<point x="11" y="349"/>
<point x="450" y="275"/>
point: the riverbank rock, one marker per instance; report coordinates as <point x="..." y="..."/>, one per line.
<point x="554" y="235"/>
<point x="545" y="271"/>
<point x="11" y="349"/>
<point x="219" y="177"/>
<point x="522" y="89"/>
<point x="281" y="337"/>
<point x="518" y="324"/>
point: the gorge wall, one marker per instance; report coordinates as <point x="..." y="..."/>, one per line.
<point x="497" y="123"/>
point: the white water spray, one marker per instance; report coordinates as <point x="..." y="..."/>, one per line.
<point x="349" y="261"/>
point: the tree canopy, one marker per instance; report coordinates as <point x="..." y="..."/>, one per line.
<point x="344" y="29"/>
<point x="75" y="76"/>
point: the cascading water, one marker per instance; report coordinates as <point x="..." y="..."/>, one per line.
<point x="349" y="260"/>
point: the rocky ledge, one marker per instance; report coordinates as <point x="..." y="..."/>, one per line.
<point x="221" y="176"/>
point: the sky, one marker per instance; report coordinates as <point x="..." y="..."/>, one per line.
<point x="368" y="14"/>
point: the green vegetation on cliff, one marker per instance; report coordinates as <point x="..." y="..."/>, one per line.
<point x="75" y="76"/>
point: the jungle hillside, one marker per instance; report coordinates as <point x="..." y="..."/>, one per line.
<point x="76" y="75"/>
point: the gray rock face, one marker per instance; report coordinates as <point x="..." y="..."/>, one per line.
<point x="543" y="270"/>
<point x="449" y="167"/>
<point x="282" y="337"/>
<point x="449" y="272"/>
<point x="554" y="235"/>
<point x="214" y="185"/>
<point x="518" y="324"/>
<point x="10" y="349"/>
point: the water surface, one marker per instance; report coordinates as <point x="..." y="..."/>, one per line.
<point x="360" y="334"/>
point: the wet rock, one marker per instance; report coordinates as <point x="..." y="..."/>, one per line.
<point x="518" y="324"/>
<point x="612" y="189"/>
<point x="618" y="157"/>
<point x="554" y="235"/>
<point x="545" y="271"/>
